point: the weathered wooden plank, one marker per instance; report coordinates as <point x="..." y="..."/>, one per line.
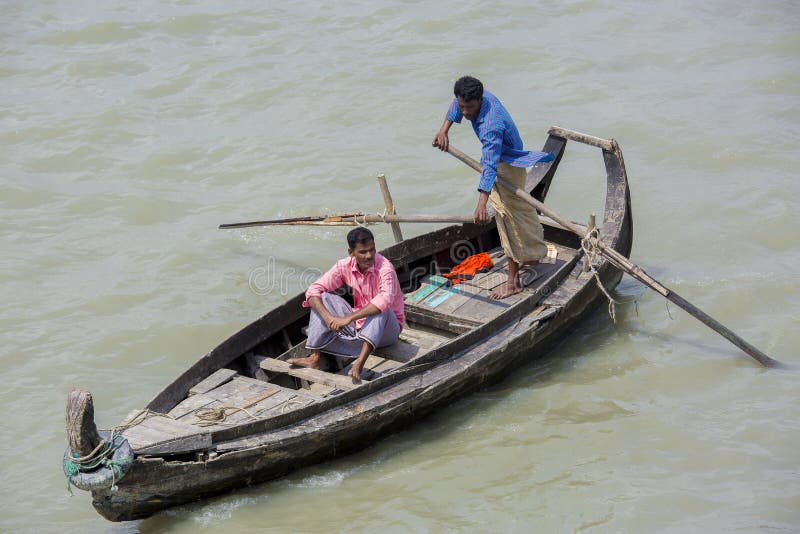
<point x="255" y="399"/>
<point x="318" y="390"/>
<point x="424" y="338"/>
<point x="294" y="403"/>
<point x="400" y="351"/>
<point x="217" y="378"/>
<point x="246" y="391"/>
<point x="230" y="394"/>
<point x="181" y="445"/>
<point x="489" y="280"/>
<point x="243" y="398"/>
<point x="465" y="293"/>
<point x="169" y="426"/>
<point x="312" y="375"/>
<point x="163" y="435"/>
<point x="247" y="411"/>
<point x="566" y="291"/>
<point x="433" y="319"/>
<point x="481" y="307"/>
<point x="237" y="389"/>
<point x="191" y="404"/>
<point x="440" y="295"/>
<point x="429" y="285"/>
<point x="255" y="382"/>
<point x="374" y="367"/>
<point x="140" y="437"/>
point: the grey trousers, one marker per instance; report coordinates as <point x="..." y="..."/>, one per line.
<point x="378" y="330"/>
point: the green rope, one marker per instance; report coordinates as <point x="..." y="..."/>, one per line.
<point x="100" y="456"/>
<point x="103" y="453"/>
<point x="71" y="469"/>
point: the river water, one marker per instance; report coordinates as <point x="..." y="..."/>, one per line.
<point x="130" y="130"/>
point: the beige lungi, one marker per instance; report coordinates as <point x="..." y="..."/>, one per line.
<point x="521" y="233"/>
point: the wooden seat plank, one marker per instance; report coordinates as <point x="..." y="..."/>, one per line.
<point x="312" y="375"/>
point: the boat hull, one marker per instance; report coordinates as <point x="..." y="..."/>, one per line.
<point x="154" y="483"/>
<point x="265" y="453"/>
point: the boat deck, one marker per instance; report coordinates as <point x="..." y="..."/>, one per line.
<point x="436" y="312"/>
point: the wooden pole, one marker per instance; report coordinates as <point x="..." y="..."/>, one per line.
<point x="354" y="220"/>
<point x="387" y="199"/>
<point x="624" y="264"/>
<point x="591" y="140"/>
<point x="310" y="218"/>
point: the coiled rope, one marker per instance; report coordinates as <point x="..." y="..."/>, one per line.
<point x="216" y="416"/>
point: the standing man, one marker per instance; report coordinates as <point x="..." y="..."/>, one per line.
<point x="376" y="317"/>
<point x="521" y="233"/>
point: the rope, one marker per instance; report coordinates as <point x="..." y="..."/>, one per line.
<point x="591" y="254"/>
<point x="291" y="403"/>
<point x="138" y="419"/>
<point x="216" y="416"/>
<point x="363" y="222"/>
<point x="102" y="455"/>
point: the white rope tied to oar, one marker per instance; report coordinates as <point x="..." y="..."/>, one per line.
<point x="363" y="222"/>
<point x="591" y="251"/>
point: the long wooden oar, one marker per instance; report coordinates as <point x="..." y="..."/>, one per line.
<point x="353" y="219"/>
<point x="623" y="263"/>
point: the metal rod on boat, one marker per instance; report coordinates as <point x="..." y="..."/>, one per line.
<point x="624" y="264"/>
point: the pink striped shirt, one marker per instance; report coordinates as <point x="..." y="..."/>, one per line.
<point x="379" y="286"/>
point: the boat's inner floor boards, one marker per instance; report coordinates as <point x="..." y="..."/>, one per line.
<point x="470" y="299"/>
<point x="242" y="398"/>
<point x="160" y="429"/>
<point x="279" y="387"/>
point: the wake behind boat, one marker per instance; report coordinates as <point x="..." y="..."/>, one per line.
<point x="242" y="414"/>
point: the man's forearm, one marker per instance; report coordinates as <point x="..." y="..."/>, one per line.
<point x="366" y="311"/>
<point x="319" y="306"/>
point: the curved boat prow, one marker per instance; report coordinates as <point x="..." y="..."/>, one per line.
<point x="93" y="460"/>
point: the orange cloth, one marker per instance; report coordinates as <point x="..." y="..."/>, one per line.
<point x="467" y="268"/>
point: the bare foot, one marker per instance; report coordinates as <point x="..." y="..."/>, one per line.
<point x="312" y="362"/>
<point x="355" y="373"/>
<point x="506" y="290"/>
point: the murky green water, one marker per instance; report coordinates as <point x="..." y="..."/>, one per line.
<point x="129" y="131"/>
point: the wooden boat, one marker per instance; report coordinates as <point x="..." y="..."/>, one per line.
<point x="278" y="418"/>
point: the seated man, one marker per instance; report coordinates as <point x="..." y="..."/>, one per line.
<point x="377" y="315"/>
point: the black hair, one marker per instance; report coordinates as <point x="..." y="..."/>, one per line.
<point x="468" y="88"/>
<point x="359" y="235"/>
